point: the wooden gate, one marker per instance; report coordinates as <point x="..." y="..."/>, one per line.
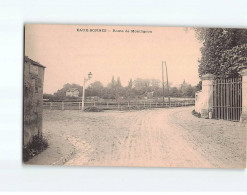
<point x="227" y="98"/>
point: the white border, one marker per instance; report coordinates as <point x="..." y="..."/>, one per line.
<point x="14" y="13"/>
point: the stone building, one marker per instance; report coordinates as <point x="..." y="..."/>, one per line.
<point x="33" y="99"/>
<point x="72" y="92"/>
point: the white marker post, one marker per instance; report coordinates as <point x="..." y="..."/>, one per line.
<point x="83" y="90"/>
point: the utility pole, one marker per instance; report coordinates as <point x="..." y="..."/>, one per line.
<point x="167" y="86"/>
<point x="163" y="84"/>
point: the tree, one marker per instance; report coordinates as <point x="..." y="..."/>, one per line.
<point x="115" y="89"/>
<point x="50" y="97"/>
<point x="119" y="90"/>
<point x="190" y="92"/>
<point x="155" y="84"/>
<point x="130" y="84"/>
<point x="174" y="92"/>
<point x="113" y="83"/>
<point x="129" y="91"/>
<point x="135" y="89"/>
<point x="95" y="89"/>
<point x="142" y="86"/>
<point x="224" y="51"/>
<point x="186" y="90"/>
<point x="118" y="84"/>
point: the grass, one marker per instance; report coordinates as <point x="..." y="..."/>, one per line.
<point x="37" y="144"/>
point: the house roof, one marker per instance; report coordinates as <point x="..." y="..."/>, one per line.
<point x="27" y="59"/>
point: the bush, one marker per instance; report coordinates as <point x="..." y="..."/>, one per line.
<point x="196" y="114"/>
<point x="224" y="51"/>
<point x="234" y="60"/>
<point x="37" y="144"/>
<point x="93" y="109"/>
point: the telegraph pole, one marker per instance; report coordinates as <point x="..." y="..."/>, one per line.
<point x="163" y="84"/>
<point x="167" y="86"/>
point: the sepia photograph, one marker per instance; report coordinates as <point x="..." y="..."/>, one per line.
<point x="134" y="96"/>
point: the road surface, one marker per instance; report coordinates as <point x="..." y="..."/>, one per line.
<point x="155" y="138"/>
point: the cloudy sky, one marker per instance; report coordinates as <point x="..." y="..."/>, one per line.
<point x="69" y="54"/>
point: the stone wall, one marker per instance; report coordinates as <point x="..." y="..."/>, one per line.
<point x="198" y="101"/>
<point x="33" y="99"/>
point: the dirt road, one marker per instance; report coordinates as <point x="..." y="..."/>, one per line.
<point x="160" y="137"/>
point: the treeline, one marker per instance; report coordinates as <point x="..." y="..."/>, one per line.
<point x="137" y="89"/>
<point x="224" y="51"/>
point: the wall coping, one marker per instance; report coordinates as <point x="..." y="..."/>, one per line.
<point x="243" y="72"/>
<point x="207" y="77"/>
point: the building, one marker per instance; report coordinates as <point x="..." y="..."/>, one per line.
<point x="150" y="95"/>
<point x="33" y="99"/>
<point x="72" y="92"/>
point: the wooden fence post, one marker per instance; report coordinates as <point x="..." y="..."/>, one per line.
<point x="50" y="105"/>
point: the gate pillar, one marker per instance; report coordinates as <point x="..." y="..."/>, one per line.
<point x="207" y="94"/>
<point x="243" y="117"/>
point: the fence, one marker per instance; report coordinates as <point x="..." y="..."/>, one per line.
<point x="227" y="98"/>
<point x="114" y="105"/>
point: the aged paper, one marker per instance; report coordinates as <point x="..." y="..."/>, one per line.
<point x="134" y="96"/>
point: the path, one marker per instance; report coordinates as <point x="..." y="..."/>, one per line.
<point x="159" y="138"/>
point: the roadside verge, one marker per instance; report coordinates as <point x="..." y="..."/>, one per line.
<point x="59" y="151"/>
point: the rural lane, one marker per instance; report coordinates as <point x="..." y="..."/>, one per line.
<point x="158" y="138"/>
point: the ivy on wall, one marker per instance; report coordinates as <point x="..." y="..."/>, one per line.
<point x="233" y="60"/>
<point x="224" y="51"/>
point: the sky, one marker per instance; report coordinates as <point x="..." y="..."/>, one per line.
<point x="69" y="52"/>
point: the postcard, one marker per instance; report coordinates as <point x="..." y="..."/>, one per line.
<point x="135" y="96"/>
